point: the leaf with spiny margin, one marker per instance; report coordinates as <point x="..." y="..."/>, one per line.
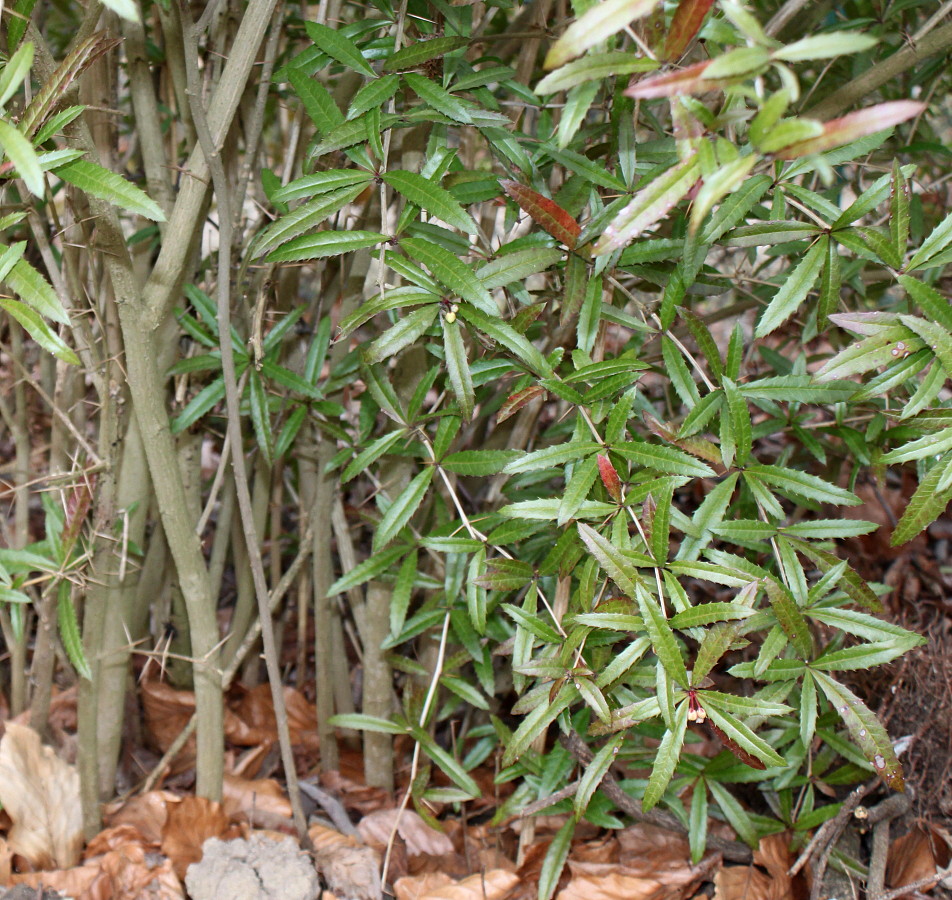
<point x="21" y="154"/>
<point x="544" y="212"/>
<point x="790" y="619"/>
<point x="338" y="46"/>
<point x="551" y="456"/>
<point x="536" y="722"/>
<point x="402" y="508"/>
<point x="429" y="195"/>
<point x="594" y="773"/>
<point x="34" y="289"/>
<point x="440" y="99"/>
<point x="401" y="335"/>
<point x="68" y="627"/>
<point x="938" y="339"/>
<point x="323" y="244"/>
<point x="37" y="328"/>
<point x="423" y="51"/>
<point x="666" y="759"/>
<point x="797" y="284"/>
<point x="899" y="210"/>
<point x="740" y="734"/>
<point x="594" y="26"/>
<point x="797" y="389"/>
<point x="577" y="489"/>
<point x="321" y="109"/>
<point x="478" y="462"/>
<point x="803" y="484"/>
<point x="320" y="183"/>
<point x="929" y="300"/>
<point x="506" y="335"/>
<point x="666" y="460"/>
<point x="850" y="582"/>
<point x="662" y="637"/>
<point x="517" y="266"/>
<point x="938" y="239"/>
<point x="611" y="559"/>
<point x="452" y="272"/>
<point x="554" y="861"/>
<point x="866" y="731"/>
<point x="925" y="505"/>
<point x="304" y="218"/>
<point x="457" y="368"/>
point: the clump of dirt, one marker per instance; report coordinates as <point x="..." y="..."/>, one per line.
<point x="258" y="868"/>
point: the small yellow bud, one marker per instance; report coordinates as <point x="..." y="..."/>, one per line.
<point x="450" y="317"/>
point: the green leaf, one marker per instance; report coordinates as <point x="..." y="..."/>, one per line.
<point x="765" y="234"/>
<point x="536" y="722"/>
<point x="802" y="484"/>
<point x="33" y="288"/>
<point x="554" y="861"/>
<point x="794" y="290"/>
<point x="577" y="489"/>
<point x="15" y="71"/>
<point x="790" y="619"/>
<point x="667" y="460"/>
<point x="826" y="46"/>
<point x="925" y="505"/>
<point x="479" y="462"/>
<point x="594" y="67"/>
<point x="738" y="732"/>
<point x="441" y="100"/>
<point x="518" y="266"/>
<point x="938" y="339"/>
<point x="939" y="238"/>
<point x="862" y="656"/>
<point x="548" y="510"/>
<point x="69" y="631"/>
<point x="735" y="814"/>
<point x="304" y="218"/>
<point x="321" y="183"/>
<point x="402" y="508"/>
<point x="666" y="759"/>
<point x="96" y="181"/>
<point x="260" y="418"/>
<point x="48" y="339"/>
<point x="697" y="822"/>
<point x="929" y="300"/>
<point x="594" y="773"/>
<point x="374" y="565"/>
<point x="718" y="184"/>
<point x="319" y="104"/>
<point x="435" y="199"/>
<point x="551" y="456"/>
<point x="601" y="21"/>
<point x="708" y="614"/>
<point x="323" y="244"/>
<point x="649" y="205"/>
<point x="20" y="152"/>
<point x="457" y="368"/>
<point x="866" y="731"/>
<point x="452" y="272"/>
<point x="504" y="334"/>
<point x="423" y="51"/>
<point x="401" y="335"/>
<point x="361" y="722"/>
<point x="338" y="46"/>
<point x="662" y="638"/>
<point x="797" y="388"/>
<point x="373" y="95"/>
<point x="735" y="63"/>
<point x="611" y="559"/>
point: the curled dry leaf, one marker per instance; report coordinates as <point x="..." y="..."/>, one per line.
<point x="261" y="801"/>
<point x="40" y="793"/>
<point x="350" y="869"/>
<point x="189" y="824"/>
<point x="492" y="885"/>
<point x="254" y="709"/>
<point x="419" y="837"/>
<point x="917" y="855"/>
<point x="147" y="813"/>
<point x="751" y="883"/>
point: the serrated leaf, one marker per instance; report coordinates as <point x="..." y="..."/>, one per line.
<point x="33" y="288"/>
<point x="663" y="641"/>
<point x="708" y="614"/>
<point x="554" y="860"/>
<point x="441" y="100"/>
<point x="686" y="23"/>
<point x="338" y="46"/>
<point x="370" y="455"/>
<point x="402" y="509"/>
<point x="15" y="71"/>
<point x="794" y="290"/>
<point x="20" y="152"/>
<point x="318" y="103"/>
<point x="804" y="485"/>
<point x="717" y="185"/>
<point x="930" y="301"/>
<point x="743" y="61"/>
<point x="826" y="46"/>
<point x="513" y="267"/>
<point x="547" y="457"/>
<point x="866" y="731"/>
<point x="666" y="460"/>
<point x="594" y="773"/>
<point x="401" y="335"/>
<point x="742" y="736"/>
<point x="594" y="26"/>
<point x="452" y="272"/>
<point x="594" y="67"/>
<point x="797" y="388"/>
<point x="37" y="328"/>
<point x="457" y="368"/>
<point x="423" y="51"/>
<point x="648" y="206"/>
<point x="849" y="582"/>
<point x="938" y="239"/>
<point x="536" y="722"/>
<point x="435" y="199"/>
<point x="862" y="656"/>
<point x="666" y="759"/>
<point x="545" y="212"/>
<point x="305" y="217"/>
<point x="790" y="619"/>
<point x="577" y="488"/>
<point x="96" y="181"/>
<point x="479" y="462"/>
<point x="611" y="559"/>
<point x="323" y="244"/>
<point x="935" y="336"/>
<point x="855" y="125"/>
<point x="320" y="183"/>
<point x="925" y="505"/>
<point x="504" y="334"/>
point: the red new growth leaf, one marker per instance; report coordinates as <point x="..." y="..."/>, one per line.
<point x="687" y="21"/>
<point x="689" y="80"/>
<point x="609" y="477"/>
<point x="747" y="758"/>
<point x="516" y="401"/>
<point x="545" y="212"/>
<point x="853" y="126"/>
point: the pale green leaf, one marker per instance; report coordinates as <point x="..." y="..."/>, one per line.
<point x="323" y="244"/>
<point x="20" y="152"/>
<point x="601" y="21"/>
<point x="402" y="508"/>
<point x="96" y="181"/>
<point x="794" y="290"/>
<point x="338" y="46"/>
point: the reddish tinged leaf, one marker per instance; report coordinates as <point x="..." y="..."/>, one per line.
<point x="747" y="758"/>
<point x="545" y="212"/>
<point x="689" y="80"/>
<point x="853" y="126"/>
<point x="609" y="477"/>
<point x="687" y="21"/>
<point x="519" y="399"/>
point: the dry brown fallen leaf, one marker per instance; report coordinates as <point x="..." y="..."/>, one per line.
<point x="419" y="837"/>
<point x="261" y="801"/>
<point x="493" y="885"/>
<point x="40" y="793"/>
<point x="917" y="855"/>
<point x="349" y="868"/>
<point x="146" y="812"/>
<point x="190" y="823"/>
<point x="751" y="883"/>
